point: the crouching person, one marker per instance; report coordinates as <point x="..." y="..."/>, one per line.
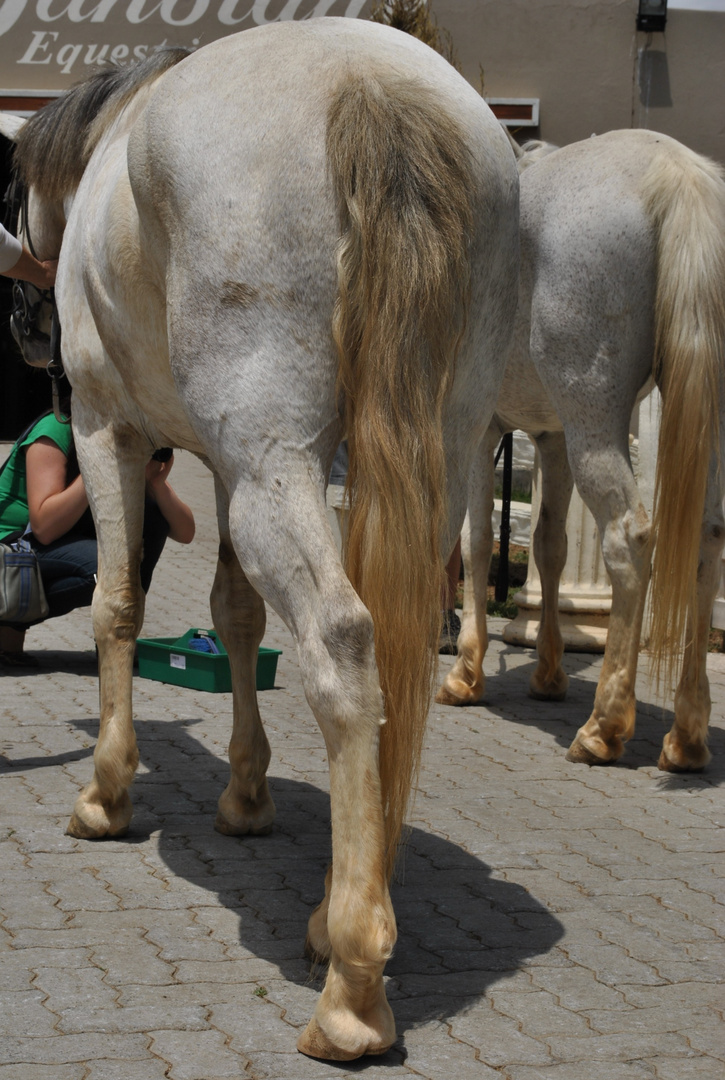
<point x="41" y="486"/>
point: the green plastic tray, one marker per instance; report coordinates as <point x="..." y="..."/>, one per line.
<point x="170" y="660"/>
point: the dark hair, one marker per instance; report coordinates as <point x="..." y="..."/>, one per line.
<point x="55" y="145"/>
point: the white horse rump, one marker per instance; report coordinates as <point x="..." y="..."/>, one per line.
<point x="304" y="231"/>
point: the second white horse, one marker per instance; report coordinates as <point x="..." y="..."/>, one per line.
<point x="622" y="282"/>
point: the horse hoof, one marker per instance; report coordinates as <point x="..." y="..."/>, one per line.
<point x="241" y="828"/>
<point x="96" y="821"/>
<point x="690" y="759"/>
<point x="582" y="755"/>
<point x="314" y="1043"/>
<point x="81" y="830"/>
<point x="461" y="695"/>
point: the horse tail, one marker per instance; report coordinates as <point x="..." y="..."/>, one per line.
<point x="685" y="196"/>
<point x="404" y="182"/>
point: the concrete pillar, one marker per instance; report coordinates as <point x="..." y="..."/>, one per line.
<point x="585" y="595"/>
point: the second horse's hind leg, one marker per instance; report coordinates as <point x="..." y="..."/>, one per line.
<point x="685" y="746"/>
<point x="606" y="484"/>
<point x="465" y="682"/>
<point x="245" y="805"/>
<point x="549" y="682"/>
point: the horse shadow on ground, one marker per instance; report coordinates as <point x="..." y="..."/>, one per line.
<point x="459" y="928"/>
<point x="507" y="697"/>
<point x="53" y="661"/>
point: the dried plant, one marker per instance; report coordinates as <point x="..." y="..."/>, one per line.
<point x="414" y="17"/>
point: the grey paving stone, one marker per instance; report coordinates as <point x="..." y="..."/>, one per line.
<point x="152" y="1069"/>
<point x="555" y="923"/>
<point x="539" y="1014"/>
<point x="179" y="996"/>
<point x="595" y="1070"/>
<point x="654" y="1019"/>
<point x="196" y="1055"/>
<point x="77" y="987"/>
<point x="66" y="1049"/>
<point x="22" y="1013"/>
<point x="119" y="1020"/>
<point x="24" y="1071"/>
<point x="696" y="1067"/>
<point x="624" y="1046"/>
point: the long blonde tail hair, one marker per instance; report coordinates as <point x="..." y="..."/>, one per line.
<point x="685" y="195"/>
<point x="403" y="177"/>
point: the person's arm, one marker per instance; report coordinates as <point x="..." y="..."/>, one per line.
<point x="176" y="512"/>
<point x="54" y="508"/>
<point x="28" y="268"/>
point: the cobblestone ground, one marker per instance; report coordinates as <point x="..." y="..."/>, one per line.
<point x="556" y="922"/>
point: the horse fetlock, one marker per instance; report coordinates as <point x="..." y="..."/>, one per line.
<point x="94" y="818"/>
<point x="238" y="815"/>
<point x="115" y="763"/>
<point x="679" y="755"/>
<point x="461" y="688"/>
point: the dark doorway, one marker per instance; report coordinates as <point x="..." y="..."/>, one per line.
<point x="24" y="391"/>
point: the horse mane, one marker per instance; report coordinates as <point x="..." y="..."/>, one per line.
<point x="55" y="145"/>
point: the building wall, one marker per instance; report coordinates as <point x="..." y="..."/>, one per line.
<point x="583" y="59"/>
<point x="592" y="70"/>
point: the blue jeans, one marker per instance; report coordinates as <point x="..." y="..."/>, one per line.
<point x="68" y="565"/>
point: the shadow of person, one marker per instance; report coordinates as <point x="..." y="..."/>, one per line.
<point x="459" y="928"/>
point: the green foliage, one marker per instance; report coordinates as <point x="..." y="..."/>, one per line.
<point x="518" y="494"/>
<point x="506" y="610"/>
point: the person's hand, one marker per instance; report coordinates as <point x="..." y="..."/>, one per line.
<point x="27" y="268"/>
<point x="50" y="266"/>
<point x="157" y="472"/>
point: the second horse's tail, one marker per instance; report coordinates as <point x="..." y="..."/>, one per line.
<point x="685" y="196"/>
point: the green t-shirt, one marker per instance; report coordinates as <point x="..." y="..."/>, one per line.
<point x="13" y="488"/>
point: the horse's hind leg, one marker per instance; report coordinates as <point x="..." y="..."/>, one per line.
<point x="465" y="682"/>
<point x="607" y="486"/>
<point x="239" y="618"/>
<point x="549" y="682"/>
<point x="685" y="746"/>
<point x="112" y="461"/>
<point x="288" y="554"/>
